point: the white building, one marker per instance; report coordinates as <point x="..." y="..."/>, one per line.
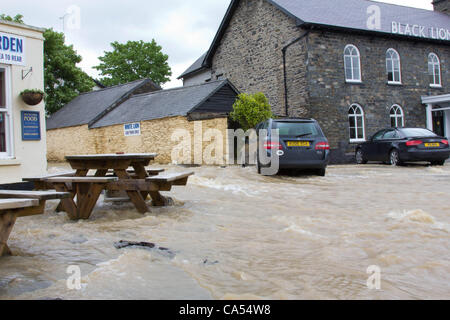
<point x="22" y="127"/>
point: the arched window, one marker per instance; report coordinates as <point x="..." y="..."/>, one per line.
<point x="397" y="116"/>
<point x="352" y="64"/>
<point x="393" y="67"/>
<point x="434" y="70"/>
<point x="356" y="121"/>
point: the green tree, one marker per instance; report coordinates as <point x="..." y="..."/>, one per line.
<point x="249" y="110"/>
<point x="63" y="79"/>
<point x="132" y="61"/>
<point x="18" y="18"/>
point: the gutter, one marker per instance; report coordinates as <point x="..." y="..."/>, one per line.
<point x="284" y="50"/>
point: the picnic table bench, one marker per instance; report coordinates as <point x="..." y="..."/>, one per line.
<point x="40" y="183"/>
<point x="16" y="204"/>
<point x="113" y="174"/>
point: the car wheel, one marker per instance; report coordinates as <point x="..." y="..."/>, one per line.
<point x="438" y="163"/>
<point x="322" y="172"/>
<point x="394" y="158"/>
<point x="360" y="157"/>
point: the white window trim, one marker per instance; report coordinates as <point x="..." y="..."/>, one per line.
<point x="9" y="154"/>
<point x="400" y="67"/>
<point x="359" y="65"/>
<point x="363" y="123"/>
<point x="396" y="116"/>
<point x="434" y="84"/>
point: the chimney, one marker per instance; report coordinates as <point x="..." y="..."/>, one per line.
<point x="442" y="6"/>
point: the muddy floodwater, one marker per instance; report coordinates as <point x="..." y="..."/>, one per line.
<point x="235" y="235"/>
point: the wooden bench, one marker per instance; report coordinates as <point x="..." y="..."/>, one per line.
<point x="87" y="191"/>
<point x="40" y="183"/>
<point x="16" y="204"/>
<point x="40" y="196"/>
<point x="165" y="182"/>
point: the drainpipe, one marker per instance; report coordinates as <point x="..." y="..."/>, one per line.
<point x="430" y="117"/>
<point x="286" y="102"/>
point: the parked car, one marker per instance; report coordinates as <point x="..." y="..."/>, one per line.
<point x="301" y="145"/>
<point x="399" y="145"/>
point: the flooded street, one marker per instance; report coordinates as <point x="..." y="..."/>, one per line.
<point x="233" y="234"/>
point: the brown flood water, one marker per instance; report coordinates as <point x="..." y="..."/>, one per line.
<point x="237" y="235"/>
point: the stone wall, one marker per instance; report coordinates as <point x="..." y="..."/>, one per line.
<point x="155" y="138"/>
<point x="442" y="6"/>
<point x="330" y="96"/>
<point x="250" y="54"/>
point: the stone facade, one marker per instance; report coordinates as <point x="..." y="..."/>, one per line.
<point x="442" y="6"/>
<point x="155" y="138"/>
<point x="250" y="55"/>
<point x="330" y="96"/>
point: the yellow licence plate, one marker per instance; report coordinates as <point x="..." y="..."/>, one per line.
<point x="432" y="145"/>
<point x="298" y="144"/>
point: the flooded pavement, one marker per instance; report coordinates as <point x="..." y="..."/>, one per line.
<point x="235" y="235"/>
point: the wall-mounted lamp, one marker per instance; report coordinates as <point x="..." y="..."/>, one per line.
<point x="25" y="73"/>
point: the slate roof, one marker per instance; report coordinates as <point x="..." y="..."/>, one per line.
<point x="88" y="106"/>
<point x="349" y="15"/>
<point x="196" y="66"/>
<point x="162" y="104"/>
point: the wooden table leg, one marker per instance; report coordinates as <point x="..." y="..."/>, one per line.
<point x="158" y="200"/>
<point x="78" y="173"/>
<point x="135" y="196"/>
<point x="141" y="173"/>
<point x="87" y="197"/>
<point x="7" y="221"/>
<point x="68" y="204"/>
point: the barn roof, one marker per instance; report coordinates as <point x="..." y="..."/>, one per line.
<point x="171" y="103"/>
<point x="88" y="107"/>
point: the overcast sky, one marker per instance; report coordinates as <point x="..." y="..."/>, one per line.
<point x="184" y="28"/>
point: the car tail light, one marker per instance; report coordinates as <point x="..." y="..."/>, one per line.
<point x="445" y="142"/>
<point x="413" y="143"/>
<point x="272" y="145"/>
<point x="323" y="146"/>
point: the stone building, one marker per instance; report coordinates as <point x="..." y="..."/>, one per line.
<point x="139" y="117"/>
<point x="356" y="66"/>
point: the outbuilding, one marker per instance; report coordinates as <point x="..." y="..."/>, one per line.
<point x="22" y="126"/>
<point x="139" y="117"/>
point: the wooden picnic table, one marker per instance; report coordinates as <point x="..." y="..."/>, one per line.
<point x="118" y="163"/>
<point x="17" y="204"/>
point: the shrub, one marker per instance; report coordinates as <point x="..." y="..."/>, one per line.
<point x="251" y="109"/>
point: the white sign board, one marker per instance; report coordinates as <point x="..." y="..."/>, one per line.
<point x="132" y="129"/>
<point x="12" y="49"/>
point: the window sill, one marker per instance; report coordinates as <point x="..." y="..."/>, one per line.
<point x="395" y="83"/>
<point x="357" y="141"/>
<point x="9" y="162"/>
<point x="435" y="86"/>
<point x="353" y="82"/>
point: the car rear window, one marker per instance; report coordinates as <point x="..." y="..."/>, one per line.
<point x="307" y="129"/>
<point x="411" y="133"/>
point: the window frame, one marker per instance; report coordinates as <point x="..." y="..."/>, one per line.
<point x="354" y="107"/>
<point x="7" y="110"/>
<point x="396" y="116"/>
<point x="353" y="80"/>
<point x="434" y="84"/>
<point x="394" y="82"/>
